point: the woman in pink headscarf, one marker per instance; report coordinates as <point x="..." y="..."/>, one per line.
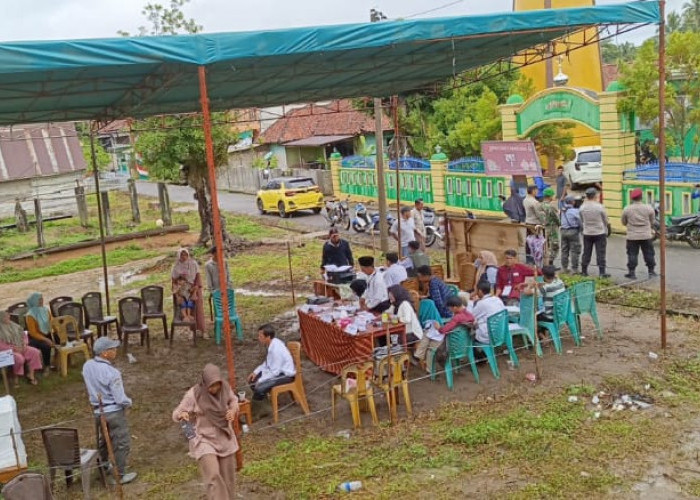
<point x="12" y="337"/>
<point x="187" y="268"/>
<point x="207" y="413"/>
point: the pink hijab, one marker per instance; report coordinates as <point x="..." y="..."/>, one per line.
<point x="187" y="269"/>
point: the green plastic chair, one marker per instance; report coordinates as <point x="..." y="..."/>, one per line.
<point x="526" y="325"/>
<point x="563" y="315"/>
<point x="232" y="314"/>
<point x="454" y="289"/>
<point x="458" y="342"/>
<point x="584" y="303"/>
<point x="499" y="335"/>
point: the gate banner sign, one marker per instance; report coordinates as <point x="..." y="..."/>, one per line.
<point x="510" y="158"/>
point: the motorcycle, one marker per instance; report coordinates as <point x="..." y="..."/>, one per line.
<point x="685" y="228"/>
<point x="432" y="232"/>
<point x="364" y="221"/>
<point x="437" y="233"/>
<point x="338" y="213"/>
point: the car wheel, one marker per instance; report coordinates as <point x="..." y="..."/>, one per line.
<point x="282" y="210"/>
<point x="317" y="210"/>
<point x="259" y="202"/>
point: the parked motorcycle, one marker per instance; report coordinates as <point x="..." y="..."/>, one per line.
<point x="338" y="213"/>
<point x="685" y="228"/>
<point x="364" y="221"/>
<point x="432" y="232"/>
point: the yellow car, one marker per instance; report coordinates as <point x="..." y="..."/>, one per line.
<point x="285" y="195"/>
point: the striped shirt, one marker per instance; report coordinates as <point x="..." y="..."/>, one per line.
<point x="549" y="290"/>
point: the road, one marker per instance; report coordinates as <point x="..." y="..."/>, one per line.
<point x="682" y="274"/>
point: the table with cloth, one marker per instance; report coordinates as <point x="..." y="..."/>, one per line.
<point x="326" y="341"/>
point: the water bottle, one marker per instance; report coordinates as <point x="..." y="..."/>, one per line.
<point x="188" y="429"/>
<point x="350" y="486"/>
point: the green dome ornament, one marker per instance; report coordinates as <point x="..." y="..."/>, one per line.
<point x="515" y="99"/>
<point x="335" y="155"/>
<point x="439" y="155"/>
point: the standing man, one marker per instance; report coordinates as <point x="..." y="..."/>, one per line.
<point x="533" y="209"/>
<point x="561" y="183"/>
<point x="376" y="297"/>
<point x="336" y="251"/>
<point x="104" y="381"/>
<point x="639" y="219"/>
<point x="570" y="235"/>
<point x="418" y="224"/>
<point x="278" y="367"/>
<point x="407" y="230"/>
<point x="594" y="219"/>
<point x="551" y="224"/>
<point x="417" y="257"/>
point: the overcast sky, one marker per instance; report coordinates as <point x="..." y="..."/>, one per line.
<point x="66" y="19"/>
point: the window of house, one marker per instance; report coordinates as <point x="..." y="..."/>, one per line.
<point x="668" y="199"/>
<point x="650" y="196"/>
<point x="489" y="189"/>
<point x="458" y="186"/>
<point x="467" y="188"/>
<point x="687" y="207"/>
<point x="426" y="184"/>
<point x="449" y="185"/>
<point x="478" y="188"/>
<point x="499" y="188"/>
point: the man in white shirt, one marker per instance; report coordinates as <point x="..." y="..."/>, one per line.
<point x="375" y="298"/>
<point x="407" y="230"/>
<point x="278" y="367"/>
<point x="486" y="306"/>
<point x="394" y="273"/>
<point x="418" y="224"/>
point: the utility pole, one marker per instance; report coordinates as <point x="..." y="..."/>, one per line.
<point x="376" y="16"/>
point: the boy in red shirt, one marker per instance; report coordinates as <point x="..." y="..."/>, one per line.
<point x="511" y="278"/>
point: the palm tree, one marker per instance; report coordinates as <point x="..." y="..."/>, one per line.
<point x="691" y="15"/>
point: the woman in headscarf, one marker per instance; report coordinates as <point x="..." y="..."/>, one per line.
<point x="38" y="321"/>
<point x="486" y="268"/>
<point x="403" y="309"/>
<point x="186" y="267"/>
<point x="12" y="337"/>
<point x="210" y="407"/>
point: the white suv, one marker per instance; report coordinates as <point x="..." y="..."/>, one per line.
<point x="586" y="167"/>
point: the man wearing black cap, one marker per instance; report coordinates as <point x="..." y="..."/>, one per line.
<point x="595" y="232"/>
<point x="106" y="392"/>
<point x="376" y="297"/>
<point x="336" y="251"/>
<point x="639" y="219"/>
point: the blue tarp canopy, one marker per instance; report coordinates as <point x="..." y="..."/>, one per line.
<point x="106" y="79"/>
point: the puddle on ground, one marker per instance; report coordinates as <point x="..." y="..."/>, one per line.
<point x="259" y="293"/>
<point x="122" y="279"/>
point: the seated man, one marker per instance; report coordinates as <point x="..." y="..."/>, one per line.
<point x="376" y="297"/>
<point x="278" y="367"/>
<point x="486" y="306"/>
<point x="511" y="278"/>
<point x="394" y="273"/>
<point x="434" y="338"/>
<point x="437" y="290"/>
<point x="550" y="286"/>
<point x="417" y="258"/>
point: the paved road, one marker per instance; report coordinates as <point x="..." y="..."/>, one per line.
<point x="683" y="269"/>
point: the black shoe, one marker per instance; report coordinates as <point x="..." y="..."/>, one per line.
<point x="652" y="274"/>
<point x="605" y="275"/>
<point x="631" y="276"/>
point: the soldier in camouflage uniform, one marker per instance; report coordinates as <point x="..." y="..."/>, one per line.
<point x="550" y="220"/>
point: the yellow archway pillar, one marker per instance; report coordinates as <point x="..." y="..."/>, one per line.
<point x="438" y="169"/>
<point x="617" y="145"/>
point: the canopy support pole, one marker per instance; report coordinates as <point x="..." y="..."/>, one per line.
<point x="96" y="173"/>
<point x="216" y="215"/>
<point x="662" y="169"/>
<point x="395" y="112"/>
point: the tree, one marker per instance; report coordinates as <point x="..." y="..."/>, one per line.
<point x="674" y="23"/>
<point x="616" y="53"/>
<point x="102" y="157"/>
<point x="641" y="79"/>
<point x="170" y="143"/>
<point x="691" y="15"/>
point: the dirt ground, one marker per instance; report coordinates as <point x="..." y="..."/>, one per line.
<point x="157" y="381"/>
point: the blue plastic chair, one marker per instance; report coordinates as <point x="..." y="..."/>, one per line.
<point x="584" y="303"/>
<point x="458" y="343"/>
<point x="563" y="315"/>
<point x="499" y="335"/>
<point x="232" y="314"/>
<point x="526" y="325"/>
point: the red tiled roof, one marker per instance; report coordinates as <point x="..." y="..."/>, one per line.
<point x="336" y="118"/>
<point x="610" y="73"/>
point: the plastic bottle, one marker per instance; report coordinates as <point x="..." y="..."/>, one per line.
<point x="350" y="486"/>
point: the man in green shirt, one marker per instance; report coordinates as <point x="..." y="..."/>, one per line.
<point x="417" y="257"/>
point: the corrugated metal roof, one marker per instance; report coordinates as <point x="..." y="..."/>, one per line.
<point x="319" y="140"/>
<point x="39" y="150"/>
